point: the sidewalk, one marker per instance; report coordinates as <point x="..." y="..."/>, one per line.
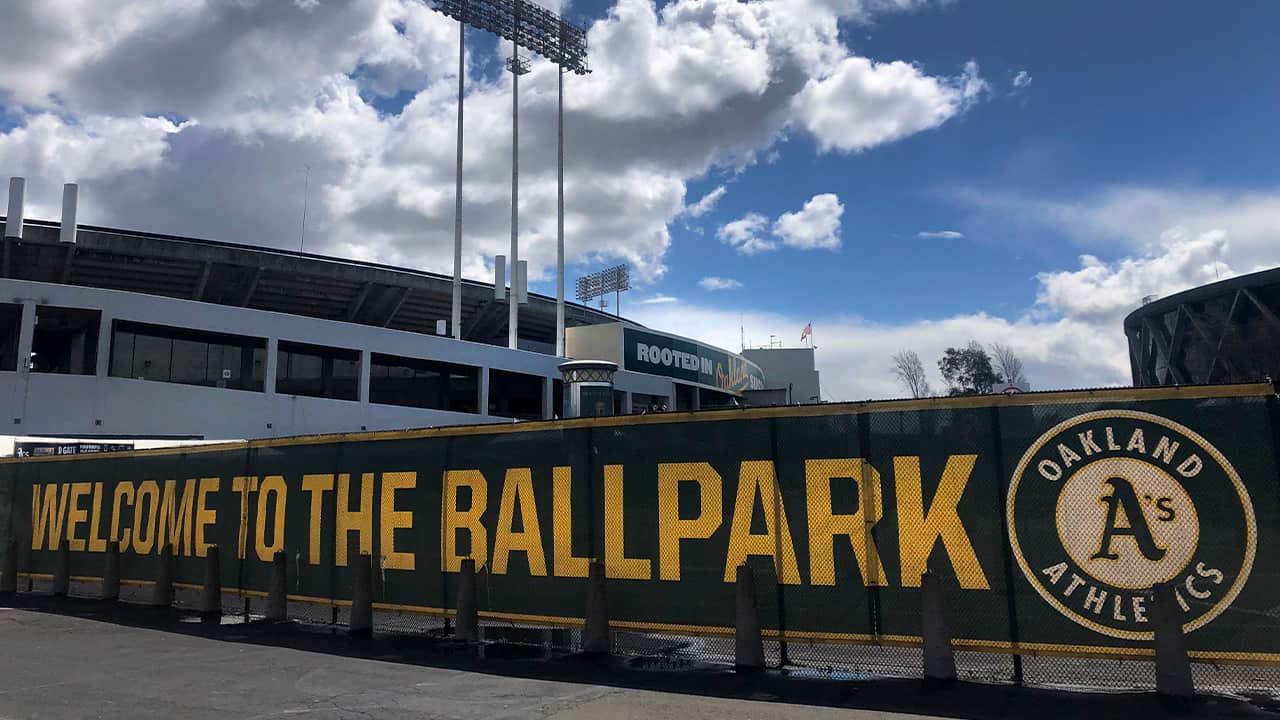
<point x="78" y="659"/>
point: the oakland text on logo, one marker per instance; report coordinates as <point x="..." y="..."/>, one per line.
<point x="1137" y="500"/>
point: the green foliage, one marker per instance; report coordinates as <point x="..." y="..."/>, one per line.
<point x="968" y="370"/>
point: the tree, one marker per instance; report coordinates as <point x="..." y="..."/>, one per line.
<point x="1008" y="364"/>
<point x="968" y="370"/>
<point x="909" y="371"/>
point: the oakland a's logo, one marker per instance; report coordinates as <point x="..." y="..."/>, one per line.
<point x="1137" y="500"/>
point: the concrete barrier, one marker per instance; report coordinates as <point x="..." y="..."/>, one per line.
<point x="361" y="621"/>
<point x="1173" y="666"/>
<point x="939" y="658"/>
<point x="162" y="593"/>
<point x="211" y="590"/>
<point x="468" y="620"/>
<point x="595" y="636"/>
<point x="278" y="591"/>
<point x="9" y="570"/>
<point x="111" y="572"/>
<point x="748" y="644"/>
<point x="62" y="570"/>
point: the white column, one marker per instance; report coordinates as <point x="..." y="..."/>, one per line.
<point x="548" y="398"/>
<point x="269" y="372"/>
<point x="104" y="346"/>
<point x="365" y="357"/>
<point x="484" y="391"/>
<point x="513" y="312"/>
<point x="626" y="402"/>
<point x="560" y="213"/>
<point x="456" y="317"/>
<point x="26" y="334"/>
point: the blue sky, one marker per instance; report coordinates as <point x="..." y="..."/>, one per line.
<point x="1134" y="156"/>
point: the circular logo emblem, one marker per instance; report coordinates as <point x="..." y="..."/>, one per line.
<point x="1109" y="503"/>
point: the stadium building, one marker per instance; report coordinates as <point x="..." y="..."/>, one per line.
<point x="1223" y="332"/>
<point x="108" y="333"/>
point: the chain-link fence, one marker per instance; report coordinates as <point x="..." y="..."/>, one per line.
<point x="1048" y="521"/>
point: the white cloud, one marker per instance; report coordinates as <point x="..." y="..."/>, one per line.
<point x="258" y="89"/>
<point x="658" y="300"/>
<point x="1022" y="79"/>
<point x="718" y="283"/>
<point x="706" y="203"/>
<point x="745" y="234"/>
<point x="815" y="226"/>
<point x="940" y="235"/>
<point x="861" y="103"/>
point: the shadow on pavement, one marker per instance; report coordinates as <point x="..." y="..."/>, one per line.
<point x="799" y="686"/>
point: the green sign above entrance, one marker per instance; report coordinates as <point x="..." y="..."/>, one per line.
<point x="656" y="354"/>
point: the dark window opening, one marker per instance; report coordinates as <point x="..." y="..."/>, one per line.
<point x="515" y="395"/>
<point x="187" y="357"/>
<point x="684" y="396"/>
<point x="557" y="398"/>
<point x="413" y="382"/>
<point x="318" y="371"/>
<point x="642" y="403"/>
<point x="712" y="399"/>
<point x="10" y="329"/>
<point x="65" y="341"/>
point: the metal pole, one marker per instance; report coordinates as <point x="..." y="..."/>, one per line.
<point x="560" y="340"/>
<point x="513" y="311"/>
<point x="456" y="315"/>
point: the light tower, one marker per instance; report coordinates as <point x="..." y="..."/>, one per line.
<point x="543" y="32"/>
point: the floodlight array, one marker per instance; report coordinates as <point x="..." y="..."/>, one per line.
<point x="609" y="280"/>
<point x="541" y="31"/>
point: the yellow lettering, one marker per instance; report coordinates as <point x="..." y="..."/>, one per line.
<point x="455" y="519"/>
<point x="358" y="521"/>
<point x="317" y="485"/>
<point x="75" y="515"/>
<point x="757" y="478"/>
<point x="919" y="531"/>
<point x="616" y="563"/>
<point x="564" y="564"/>
<point x="205" y="515"/>
<point x="273" y="488"/>
<point x="391" y="519"/>
<point x="244" y="484"/>
<point x="518" y="486"/>
<point x="671" y="528"/>
<point x="143" y="542"/>
<point x="97" y="543"/>
<point x="824" y="525"/>
<point x="123" y="490"/>
<point x="177" y="515"/>
<point x="47" y="517"/>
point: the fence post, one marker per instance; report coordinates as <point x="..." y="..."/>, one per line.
<point x="111" y="572"/>
<point x="595" y="636"/>
<point x="749" y="645"/>
<point x="162" y="594"/>
<point x="211" y="591"/>
<point x="468" y="625"/>
<point x="1173" y="667"/>
<point x="361" y="621"/>
<point x="9" y="572"/>
<point x="1002" y="492"/>
<point x="939" y="658"/>
<point x="277" y="594"/>
<point x="62" y="570"/>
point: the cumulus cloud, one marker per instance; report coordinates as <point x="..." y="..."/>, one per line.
<point x="718" y="283"/>
<point x="862" y="103"/>
<point x="746" y="234"/>
<point x="1021" y="80"/>
<point x="815" y="226"/>
<point x="940" y="235"/>
<point x="706" y="203"/>
<point x="199" y="117"/>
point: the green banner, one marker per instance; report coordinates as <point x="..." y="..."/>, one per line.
<point x="656" y="354"/>
<point x="1049" y="515"/>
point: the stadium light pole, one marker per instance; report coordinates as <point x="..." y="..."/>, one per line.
<point x="538" y="30"/>
<point x="456" y="311"/>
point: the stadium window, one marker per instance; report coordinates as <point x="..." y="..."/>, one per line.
<point x="187" y="357"/>
<point x="414" y="382"/>
<point x="515" y="395"/>
<point x="684" y="396"/>
<point x="318" y="371"/>
<point x="65" y="340"/>
<point x="10" y="329"/>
